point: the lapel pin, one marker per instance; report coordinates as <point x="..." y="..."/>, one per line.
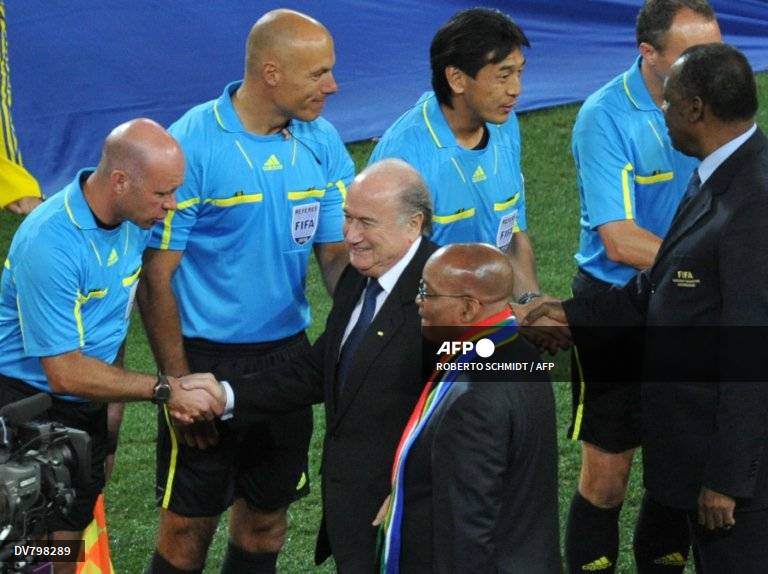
<point x="380" y="333"/>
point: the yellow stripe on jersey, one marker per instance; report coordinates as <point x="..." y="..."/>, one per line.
<point x="235" y="200"/>
<point x="172" y="464"/>
<point x="626" y="192"/>
<point x="455" y="217"/>
<point x="80" y="300"/>
<point x="296" y="195"/>
<point x="655" y="178"/>
<point x="507" y="204"/>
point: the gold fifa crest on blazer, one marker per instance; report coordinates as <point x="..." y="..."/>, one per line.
<point x="685" y="279"/>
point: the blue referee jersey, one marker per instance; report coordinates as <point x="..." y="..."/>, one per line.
<point x="249" y="211"/>
<point x="67" y="284"/>
<point x="478" y="195"/>
<point x="626" y="169"/>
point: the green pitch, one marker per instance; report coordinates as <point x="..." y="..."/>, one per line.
<point x="553" y="218"/>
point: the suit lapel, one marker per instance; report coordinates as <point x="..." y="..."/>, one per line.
<point x="383" y="329"/>
<point x="689" y="213"/>
<point x="718" y="183"/>
<point x="351" y="295"/>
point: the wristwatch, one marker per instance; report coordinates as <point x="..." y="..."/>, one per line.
<point x="161" y="393"/>
<point x="528" y="297"/>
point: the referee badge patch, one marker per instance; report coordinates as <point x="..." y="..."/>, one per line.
<point x="304" y="222"/>
<point x="506" y="229"/>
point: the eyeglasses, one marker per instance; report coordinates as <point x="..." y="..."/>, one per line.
<point x="421" y="291"/>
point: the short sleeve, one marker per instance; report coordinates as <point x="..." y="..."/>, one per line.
<point x="174" y="231"/>
<point x="341" y="171"/>
<point x="604" y="169"/>
<point x="48" y="298"/>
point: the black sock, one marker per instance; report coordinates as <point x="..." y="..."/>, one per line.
<point x="159" y="565"/>
<point x="591" y="537"/>
<point x="662" y="540"/>
<point x="238" y="561"/>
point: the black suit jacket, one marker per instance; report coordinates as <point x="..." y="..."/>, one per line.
<point x="481" y="479"/>
<point x="363" y="424"/>
<point x="705" y="304"/>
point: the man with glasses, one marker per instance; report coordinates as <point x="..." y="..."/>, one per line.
<point x="475" y="476"/>
<point x="365" y="367"/>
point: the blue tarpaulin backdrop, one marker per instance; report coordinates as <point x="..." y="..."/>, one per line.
<point x="79" y="67"/>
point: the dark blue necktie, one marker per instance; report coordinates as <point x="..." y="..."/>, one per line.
<point x="358" y="331"/>
<point x="694" y="185"/>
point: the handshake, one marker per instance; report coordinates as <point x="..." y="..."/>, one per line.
<point x="196" y="397"/>
<point x="544" y="323"/>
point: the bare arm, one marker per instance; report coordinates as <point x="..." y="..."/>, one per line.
<point x="332" y="258"/>
<point x="159" y="311"/>
<point x="24" y="205"/>
<point x="520" y="252"/>
<point x="76" y="374"/>
<point x="628" y="243"/>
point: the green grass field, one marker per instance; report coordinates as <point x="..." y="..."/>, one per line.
<point x="553" y="216"/>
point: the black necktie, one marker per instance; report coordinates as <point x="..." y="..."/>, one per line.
<point x="358" y="331"/>
<point x="694" y="185"/>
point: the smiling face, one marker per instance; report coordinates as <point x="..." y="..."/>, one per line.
<point x="306" y="77"/>
<point x="493" y="93"/>
<point x="377" y="232"/>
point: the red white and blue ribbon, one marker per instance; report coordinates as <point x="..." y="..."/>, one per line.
<point x="501" y="329"/>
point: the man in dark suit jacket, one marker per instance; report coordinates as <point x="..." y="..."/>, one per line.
<point x="705" y="409"/>
<point x="369" y="391"/>
<point x="475" y="480"/>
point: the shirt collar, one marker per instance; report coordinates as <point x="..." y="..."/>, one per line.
<point x="391" y="276"/>
<point x="635" y="88"/>
<point x="77" y="207"/>
<point x="714" y="160"/>
<point x="437" y="126"/>
<point x="224" y="110"/>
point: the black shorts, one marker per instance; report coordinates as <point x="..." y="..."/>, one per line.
<point x="265" y="463"/>
<point x="88" y="416"/>
<point x="605" y="413"/>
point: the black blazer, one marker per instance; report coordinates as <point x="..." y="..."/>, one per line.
<point x="363" y="425"/>
<point x="481" y="479"/>
<point x="705" y="305"/>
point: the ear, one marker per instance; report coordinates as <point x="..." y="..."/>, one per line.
<point x="695" y="111"/>
<point x="648" y="53"/>
<point x="415" y="223"/>
<point x="270" y="73"/>
<point x="456" y="79"/>
<point x="119" y="180"/>
<point x="470" y="313"/>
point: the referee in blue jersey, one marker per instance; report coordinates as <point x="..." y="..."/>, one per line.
<point x="224" y="292"/>
<point x="66" y="295"/>
<point x="464" y="140"/>
<point x="631" y="181"/>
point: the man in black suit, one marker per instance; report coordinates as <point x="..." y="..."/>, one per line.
<point x="705" y="409"/>
<point x="366" y="366"/>
<point x="475" y="485"/>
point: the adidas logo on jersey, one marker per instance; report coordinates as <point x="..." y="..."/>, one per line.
<point x="479" y="175"/>
<point x="112" y="258"/>
<point x="674" y="559"/>
<point x="272" y="164"/>
<point x="601" y="563"/>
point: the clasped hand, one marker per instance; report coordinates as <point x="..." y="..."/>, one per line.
<point x="196" y="397"/>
